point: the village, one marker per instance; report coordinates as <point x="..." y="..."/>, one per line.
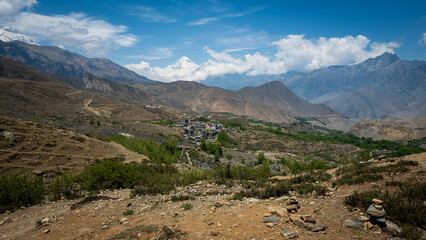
<point x="200" y="127"/>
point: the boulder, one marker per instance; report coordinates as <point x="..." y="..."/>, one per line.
<point x="288" y="232"/>
<point x="373" y="211"/>
<point x="352" y="223"/>
<point x="313" y="227"/>
<point x="271" y="219"/>
<point x="393" y="228"/>
<point x="280" y="211"/>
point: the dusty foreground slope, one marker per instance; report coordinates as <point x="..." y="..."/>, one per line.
<point x="213" y="216"/>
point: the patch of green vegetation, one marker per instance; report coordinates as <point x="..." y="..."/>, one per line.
<point x="212" y="148"/>
<point x="261" y="158"/>
<point x="168" y="122"/>
<point x="359" y="173"/>
<point x="335" y="137"/>
<point x="187" y="206"/>
<point x="299" y="167"/>
<point x="311" y="177"/>
<point x="17" y="191"/>
<point x="234" y="124"/>
<point x="226" y="140"/>
<point x="128" y="212"/>
<point x="406" y="207"/>
<point x="65" y="186"/>
<point x="182" y="198"/>
<point x="109" y="174"/>
<point x="166" y="152"/>
<point x="202" y="119"/>
<point x="282" y="188"/>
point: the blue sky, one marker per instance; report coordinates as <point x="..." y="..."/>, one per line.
<point x="219" y="37"/>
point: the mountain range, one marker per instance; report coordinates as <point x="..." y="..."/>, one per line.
<point x="61" y="62"/>
<point x="270" y="102"/>
<point x="377" y="88"/>
<point x="385" y="86"/>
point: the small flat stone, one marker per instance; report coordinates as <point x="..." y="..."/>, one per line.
<point x="291" y="207"/>
<point x="269" y="224"/>
<point x="377" y="201"/>
<point x="310" y="219"/>
<point x="379" y="207"/>
<point x="271" y="219"/>
<point x="294" y="217"/>
<point x="368" y="225"/>
<point x="352" y="223"/>
<point x="288" y="232"/>
<point x="46" y="231"/>
<point x="104" y="227"/>
<point x="214" y="233"/>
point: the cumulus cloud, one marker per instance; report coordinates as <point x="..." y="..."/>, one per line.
<point x="293" y="53"/>
<point x="74" y="30"/>
<point x="9" y="7"/>
<point x="422" y="41"/>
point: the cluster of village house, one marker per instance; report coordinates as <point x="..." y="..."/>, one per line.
<point x="197" y="130"/>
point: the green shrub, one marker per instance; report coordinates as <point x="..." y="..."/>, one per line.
<point x="166" y="152"/>
<point x="311" y="177"/>
<point x="360" y="173"/>
<point x="226" y="140"/>
<point x="299" y="166"/>
<point x="193" y="176"/>
<point x="65" y="186"/>
<point x="406" y="208"/>
<point x="182" y="198"/>
<point x="261" y="158"/>
<point x="109" y="174"/>
<point x="128" y="212"/>
<point x="17" y="191"/>
<point x="187" y="206"/>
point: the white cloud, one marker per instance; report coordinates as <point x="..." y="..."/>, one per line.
<point x="293" y="53"/>
<point x="150" y="14"/>
<point x="422" y="41"/>
<point x="203" y="21"/>
<point x="208" y="20"/>
<point x="74" y="30"/>
<point x="9" y="7"/>
<point x="156" y="54"/>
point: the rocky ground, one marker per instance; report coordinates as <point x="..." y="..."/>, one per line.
<point x="210" y="214"/>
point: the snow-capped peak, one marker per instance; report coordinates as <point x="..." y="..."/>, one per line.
<point x="8" y="34"/>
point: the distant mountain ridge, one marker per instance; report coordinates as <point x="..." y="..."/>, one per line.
<point x="270" y="102"/>
<point x="58" y="61"/>
<point x="379" y="87"/>
<point x="376" y="88"/>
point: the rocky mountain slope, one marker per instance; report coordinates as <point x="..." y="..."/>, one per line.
<point x="390" y="129"/>
<point x="27" y="93"/>
<point x="58" y="61"/>
<point x="269" y="102"/>
<point x="376" y="88"/>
